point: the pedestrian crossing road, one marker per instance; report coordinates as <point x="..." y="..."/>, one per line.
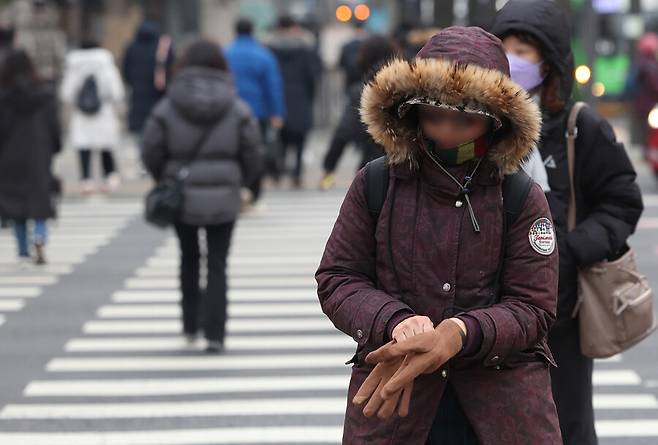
<point x="92" y="353"/>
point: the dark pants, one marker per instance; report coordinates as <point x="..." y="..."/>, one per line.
<point x="296" y="140"/>
<point x="107" y="162"/>
<point x="451" y="426"/>
<point x="211" y="309"/>
<point x="572" y="385"/>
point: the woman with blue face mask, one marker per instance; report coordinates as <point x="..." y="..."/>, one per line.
<point x="536" y="38"/>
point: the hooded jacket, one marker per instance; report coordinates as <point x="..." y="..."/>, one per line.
<point x="139" y="64"/>
<point x="102" y="130"/>
<point x="423" y="256"/>
<point x="608" y="199"/>
<point x="29" y="138"/>
<point x="202" y="102"/>
<point x="300" y="70"/>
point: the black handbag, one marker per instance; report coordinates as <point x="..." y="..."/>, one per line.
<point x="164" y="202"/>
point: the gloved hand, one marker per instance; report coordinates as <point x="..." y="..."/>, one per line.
<point x="421" y="354"/>
<point x="372" y="389"/>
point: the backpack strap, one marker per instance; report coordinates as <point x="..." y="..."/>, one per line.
<point x="516" y="188"/>
<point x="376" y="177"/>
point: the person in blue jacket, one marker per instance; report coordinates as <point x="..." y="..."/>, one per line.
<point x="258" y="81"/>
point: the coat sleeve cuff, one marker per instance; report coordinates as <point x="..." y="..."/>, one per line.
<point x="395" y="320"/>
<point x="473" y="336"/>
<point x="378" y="331"/>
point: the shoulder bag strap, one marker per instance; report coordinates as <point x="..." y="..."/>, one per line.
<point x="571" y="135"/>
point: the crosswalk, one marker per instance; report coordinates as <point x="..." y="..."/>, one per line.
<point x="129" y="378"/>
<point x="83" y="227"/>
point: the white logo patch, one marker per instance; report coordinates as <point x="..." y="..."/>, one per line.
<point x="542" y="236"/>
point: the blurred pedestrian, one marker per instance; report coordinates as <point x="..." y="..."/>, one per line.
<point x="646" y="84"/>
<point x="537" y="40"/>
<point x="38" y="31"/>
<point x="6" y="41"/>
<point x="349" y="56"/>
<point x="202" y="132"/>
<point x="374" y="52"/>
<point x="29" y="138"/>
<point x="258" y="81"/>
<point x="454" y="332"/>
<point x="93" y="90"/>
<point x="295" y="49"/>
<point x="147" y="65"/>
<point x="6" y="44"/>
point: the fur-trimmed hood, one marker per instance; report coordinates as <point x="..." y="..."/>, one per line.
<point x="459" y="67"/>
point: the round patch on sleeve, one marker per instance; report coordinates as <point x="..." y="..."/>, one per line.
<point x="542" y="236"/>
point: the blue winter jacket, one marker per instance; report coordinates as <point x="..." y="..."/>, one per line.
<point x="257" y="77"/>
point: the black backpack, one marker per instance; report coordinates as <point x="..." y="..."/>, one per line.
<point x="515" y="192"/>
<point x="89" y="101"/>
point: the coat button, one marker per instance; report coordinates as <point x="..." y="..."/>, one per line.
<point x="359" y="333"/>
<point x="444" y="374"/>
<point x="447" y="287"/>
<point x="458" y="204"/>
<point x="497" y="367"/>
<point x="494" y="359"/>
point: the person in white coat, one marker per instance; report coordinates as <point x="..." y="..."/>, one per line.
<point x="93" y="90"/>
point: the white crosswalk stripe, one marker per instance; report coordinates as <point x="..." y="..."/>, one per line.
<point x="281" y="380"/>
<point x="81" y="230"/>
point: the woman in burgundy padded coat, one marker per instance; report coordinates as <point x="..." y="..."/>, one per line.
<point x="416" y="287"/>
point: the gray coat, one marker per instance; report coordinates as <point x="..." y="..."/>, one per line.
<point x="201" y="100"/>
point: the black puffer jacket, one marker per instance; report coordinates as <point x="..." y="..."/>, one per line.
<point x="609" y="201"/>
<point x="201" y="100"/>
<point x="29" y="138"/>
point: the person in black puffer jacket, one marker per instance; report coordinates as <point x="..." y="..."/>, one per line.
<point x="202" y="103"/>
<point x="536" y="37"/>
<point x="30" y="137"/>
<point x="374" y="52"/>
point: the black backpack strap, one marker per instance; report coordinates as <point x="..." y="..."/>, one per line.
<point x="376" y="177"/>
<point x="516" y="188"/>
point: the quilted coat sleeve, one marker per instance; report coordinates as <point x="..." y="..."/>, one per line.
<point x="347" y="276"/>
<point x="529" y="283"/>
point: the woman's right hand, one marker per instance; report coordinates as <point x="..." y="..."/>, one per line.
<point x="412" y="326"/>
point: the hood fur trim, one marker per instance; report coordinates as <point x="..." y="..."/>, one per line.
<point x="451" y="83"/>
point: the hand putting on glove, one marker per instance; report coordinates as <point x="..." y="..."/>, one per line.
<point x="399" y="363"/>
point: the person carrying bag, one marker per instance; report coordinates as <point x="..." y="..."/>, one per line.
<point x="615" y="302"/>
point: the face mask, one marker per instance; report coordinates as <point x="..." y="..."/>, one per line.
<point x="460" y="154"/>
<point x="526" y="74"/>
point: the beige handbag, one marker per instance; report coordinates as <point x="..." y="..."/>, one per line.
<point x="615" y="302"/>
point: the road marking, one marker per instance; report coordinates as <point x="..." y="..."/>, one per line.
<point x="11" y="305"/>
<point x="209" y="363"/>
<point x="234" y="310"/>
<point x="247" y="282"/>
<point x="625" y="401"/>
<point x="235" y="271"/>
<point x="234" y="326"/>
<point x="232" y="408"/>
<point x="226" y="436"/>
<point x="622" y="377"/>
<point x="20" y="292"/>
<point x="236" y="295"/>
<point x="43" y="280"/>
<point x="627" y="428"/>
<point x="250" y="343"/>
<point x="181" y="386"/>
